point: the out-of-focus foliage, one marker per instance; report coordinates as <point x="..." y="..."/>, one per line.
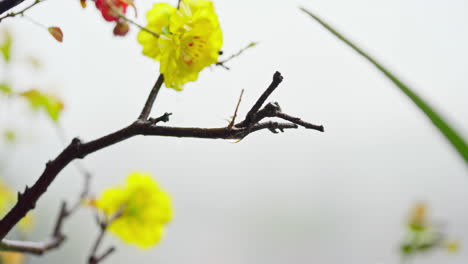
<point x="5" y="46"/>
<point x="422" y="235"/>
<point x="184" y="40"/>
<point x="5" y="89"/>
<point x="141" y="209"/>
<point x="39" y="100"/>
<point x="439" y="122"/>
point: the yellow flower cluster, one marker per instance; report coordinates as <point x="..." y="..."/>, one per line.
<point x="188" y="39"/>
<point x="143" y="207"/>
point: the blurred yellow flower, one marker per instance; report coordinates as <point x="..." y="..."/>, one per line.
<point x="12" y="258"/>
<point x="144" y="210"/>
<point x="7" y="198"/>
<point x="26" y="224"/>
<point x="452" y="246"/>
<point x="188" y="40"/>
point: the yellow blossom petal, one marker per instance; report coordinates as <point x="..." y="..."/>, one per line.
<point x="189" y="39"/>
<point x="145" y="209"/>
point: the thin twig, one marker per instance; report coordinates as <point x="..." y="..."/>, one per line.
<point x="104" y="255"/>
<point x="103" y="224"/>
<point x="277" y="79"/>
<point x="223" y="62"/>
<point x="297" y="120"/>
<point x="57" y="236"/>
<point x="151" y="98"/>
<point x="8" y="4"/>
<point x="39" y="248"/>
<point x="79" y="150"/>
<point x="156" y="35"/>
<point x="122" y="16"/>
<point x="164" y="118"/>
<point x="233" y="121"/>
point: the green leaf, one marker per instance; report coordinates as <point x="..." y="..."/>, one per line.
<point x="5" y="89"/>
<point x="437" y="120"/>
<point x="9" y="135"/>
<point x="406" y="249"/>
<point x="5" y="47"/>
<point x="51" y="104"/>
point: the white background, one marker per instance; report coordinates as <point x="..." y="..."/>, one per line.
<point x="300" y="197"/>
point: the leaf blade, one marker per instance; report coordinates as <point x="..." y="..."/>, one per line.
<point x="438" y="121"/>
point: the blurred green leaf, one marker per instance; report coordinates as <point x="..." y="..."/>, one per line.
<point x="449" y="132"/>
<point x="406" y="249"/>
<point x="5" y="47"/>
<point x="5" y="88"/>
<point x="416" y="228"/>
<point x="9" y="135"/>
<point x="51" y="104"/>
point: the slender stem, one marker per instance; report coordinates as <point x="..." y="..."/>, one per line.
<point x="97" y="243"/>
<point x="156" y="35"/>
<point x="8" y="4"/>
<point x="93" y="258"/>
<point x="223" y="62"/>
<point x="151" y="98"/>
<point x="277" y="79"/>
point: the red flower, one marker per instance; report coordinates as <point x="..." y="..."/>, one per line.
<point x="107" y="8"/>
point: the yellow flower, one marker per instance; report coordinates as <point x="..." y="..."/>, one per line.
<point x="26" y="224"/>
<point x="12" y="258"/>
<point x="453" y="246"/>
<point x="144" y="207"/>
<point x="188" y="40"/>
<point x="7" y="198"/>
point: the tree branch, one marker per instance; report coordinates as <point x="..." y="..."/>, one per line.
<point x="277" y="79"/>
<point x="6" y="5"/>
<point x="103" y="224"/>
<point x="38" y="248"/>
<point x="57" y="236"/>
<point x="151" y="98"/>
<point x="78" y="150"/>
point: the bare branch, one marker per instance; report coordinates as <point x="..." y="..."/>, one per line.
<point x="233" y="121"/>
<point x="151" y="98"/>
<point x="104" y="255"/>
<point x="36" y="248"/>
<point x="237" y="54"/>
<point x="6" y="5"/>
<point x="164" y="118"/>
<point x="39" y="248"/>
<point x="297" y="120"/>
<point x="78" y="150"/>
<point x="277" y="79"/>
<point x="57" y="236"/>
<point x="103" y="224"/>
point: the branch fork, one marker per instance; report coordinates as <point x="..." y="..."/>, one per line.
<point x="146" y="126"/>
